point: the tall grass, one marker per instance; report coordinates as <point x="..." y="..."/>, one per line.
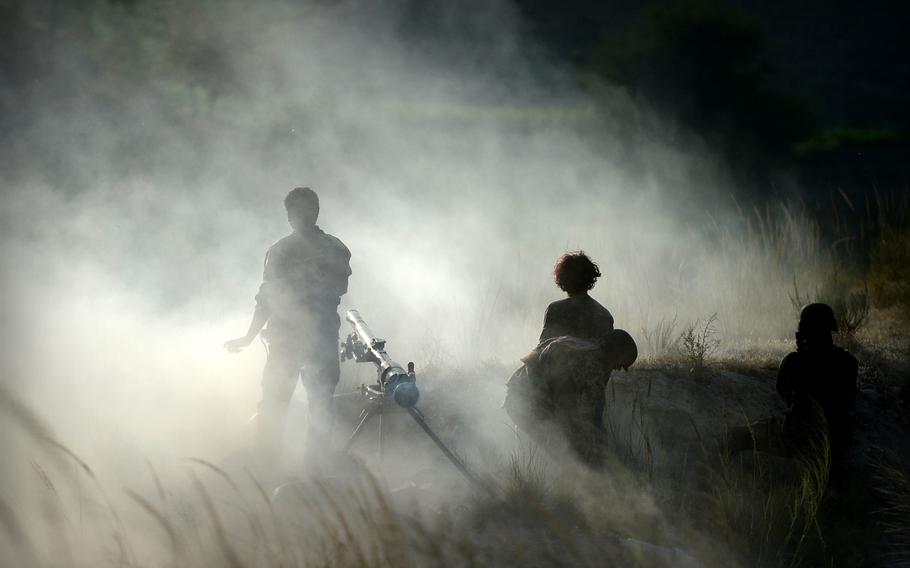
<point x="850" y="304"/>
<point x="765" y="260"/>
<point x="740" y="265"/>
<point x="220" y="521"/>
<point x="767" y="505"/>
<point x="554" y="513"/>
<point x="660" y="340"/>
<point x="892" y="483"/>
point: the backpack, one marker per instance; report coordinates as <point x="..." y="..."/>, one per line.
<point x="567" y="373"/>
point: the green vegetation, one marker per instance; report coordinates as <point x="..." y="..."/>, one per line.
<point x="698" y="342"/>
<point x="706" y="65"/>
<point x="661" y="339"/>
<point x="892" y="482"/>
<point x="765" y="505"/>
<point x="839" y="138"/>
<point x="851" y="306"/>
<point x="701" y="64"/>
<point x="889" y="270"/>
<point x="755" y="511"/>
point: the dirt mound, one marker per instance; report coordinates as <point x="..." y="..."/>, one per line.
<point x="665" y="416"/>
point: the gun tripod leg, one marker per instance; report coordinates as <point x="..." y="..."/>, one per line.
<point x="456" y="461"/>
<point x="365" y="416"/>
<point x="379" y="448"/>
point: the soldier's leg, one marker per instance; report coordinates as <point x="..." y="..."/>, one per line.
<point x="738" y="439"/>
<point x="588" y="432"/>
<point x="532" y="421"/>
<point x="841" y="441"/>
<point x="279" y="379"/>
<point x="588" y="440"/>
<point x="320" y="377"/>
<point x="599" y="405"/>
<point x="764" y="435"/>
<point x="519" y="403"/>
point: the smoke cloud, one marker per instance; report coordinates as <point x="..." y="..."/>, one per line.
<point x="451" y="154"/>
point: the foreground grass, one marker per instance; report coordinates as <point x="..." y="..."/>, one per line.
<point x="649" y="507"/>
<point x="708" y="511"/>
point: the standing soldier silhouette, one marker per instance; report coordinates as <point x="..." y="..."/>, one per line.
<point x="304" y="276"/>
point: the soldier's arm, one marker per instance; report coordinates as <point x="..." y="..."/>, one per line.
<point x="852" y="373"/>
<point x="344" y="269"/>
<point x="550" y="325"/>
<point x="260" y="315"/>
<point x="785" y="379"/>
<point x="608" y="322"/>
<point x="261" y="312"/>
<point x="334" y="267"/>
<point x="260" y="318"/>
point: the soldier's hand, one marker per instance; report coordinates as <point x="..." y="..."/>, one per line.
<point x="237" y="345"/>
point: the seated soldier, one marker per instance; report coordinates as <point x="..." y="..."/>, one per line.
<point x="818" y="383"/>
<point x="564" y="379"/>
<point x="578" y="315"/>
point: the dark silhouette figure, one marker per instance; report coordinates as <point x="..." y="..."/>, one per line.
<point x="818" y="383"/>
<point x="304" y="276"/>
<point x="563" y="381"/>
<point x="578" y="315"/>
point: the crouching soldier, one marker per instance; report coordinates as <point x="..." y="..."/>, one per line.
<point x="818" y="383"/>
<point x="561" y="385"/>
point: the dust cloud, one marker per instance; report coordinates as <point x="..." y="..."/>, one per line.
<point x="457" y="161"/>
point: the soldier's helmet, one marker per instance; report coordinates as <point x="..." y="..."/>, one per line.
<point x="817" y="318"/>
<point x="620" y="350"/>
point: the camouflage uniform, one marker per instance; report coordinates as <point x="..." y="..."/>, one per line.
<point x="579" y="316"/>
<point x="564" y="382"/>
<point x="304" y="277"/>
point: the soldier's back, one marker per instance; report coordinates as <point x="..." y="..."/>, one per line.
<point x="823" y="377"/>
<point x="578" y="316"/>
<point x="305" y="275"/>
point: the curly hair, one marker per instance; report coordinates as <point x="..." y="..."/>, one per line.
<point x="301" y="197"/>
<point x="575" y="272"/>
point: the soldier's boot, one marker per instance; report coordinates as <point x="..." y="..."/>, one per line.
<point x="269" y="424"/>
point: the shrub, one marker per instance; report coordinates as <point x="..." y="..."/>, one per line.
<point x="850" y="305"/>
<point x="698" y="342"/>
<point x="889" y="270"/>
